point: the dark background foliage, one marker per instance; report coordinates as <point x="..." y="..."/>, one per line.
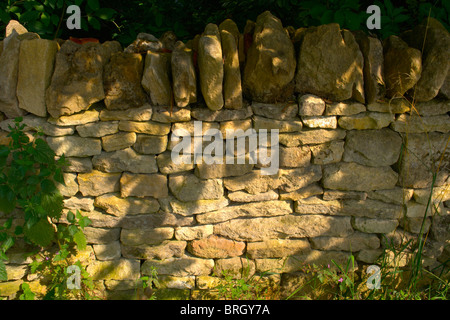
<point x="123" y="20"/>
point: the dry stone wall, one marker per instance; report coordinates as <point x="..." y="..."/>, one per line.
<point x="355" y="155"/>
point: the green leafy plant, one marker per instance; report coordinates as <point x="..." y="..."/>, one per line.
<point x="46" y="17"/>
<point x="28" y="192"/>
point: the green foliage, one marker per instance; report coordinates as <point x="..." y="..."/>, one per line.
<point x="48" y="17"/>
<point x="28" y="192"/>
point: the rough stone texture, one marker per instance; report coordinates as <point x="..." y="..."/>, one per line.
<point x="122" y="81"/>
<point x="187" y="187"/>
<point x="148" y="144"/>
<point x="136" y="114"/>
<point x="277" y="248"/>
<point x="418" y="124"/>
<point x="143" y="185"/>
<point x="215" y="247"/>
<point x="211" y="67"/>
<point x="97" y="183"/>
<point x="372" y="148"/>
<point x="313" y="136"/>
<point x="77" y="81"/>
<point x="97" y="130"/>
<point x="374" y="225"/>
<point x="192" y="233"/>
<point x="402" y="66"/>
<point x="366" y="121"/>
<point x="179" y="267"/>
<point x="232" y="87"/>
<point x="121" y="269"/>
<point x="183" y="74"/>
<point x="152" y="128"/>
<point x="339" y="76"/>
<point x="35" y="72"/>
<point x="279" y="111"/>
<point x="117" y="206"/>
<point x="353" y="176"/>
<point x="118" y="141"/>
<point x="73" y="146"/>
<point x="354" y="242"/>
<point x="345" y="108"/>
<point x="424" y="151"/>
<point x="156" y="78"/>
<point x="125" y="160"/>
<point x="281" y="125"/>
<point x="310" y="105"/>
<point x="9" y="68"/>
<point x="330" y="152"/>
<point x="259" y="229"/>
<point x="270" y="64"/>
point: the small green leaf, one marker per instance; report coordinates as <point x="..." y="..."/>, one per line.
<point x="70" y="217"/>
<point x="80" y="240"/>
<point x="105" y="13"/>
<point x="40" y="233"/>
<point x="3" y="273"/>
<point x="93" y="4"/>
<point x="94" y="23"/>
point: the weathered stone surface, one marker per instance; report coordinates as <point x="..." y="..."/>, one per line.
<point x="155" y="220"/>
<point x="374" y="225"/>
<point x="167" y="166"/>
<point x="398" y="105"/>
<point x="187" y="208"/>
<point x="350" y="195"/>
<point x="109" y="251"/>
<point x="278" y="111"/>
<point x="121" y="269"/>
<point x="78" y="165"/>
<point x="214" y="247"/>
<point x="179" y="267"/>
<point x="372" y="51"/>
<point x="136" y="237"/>
<point x="125" y="160"/>
<point x="424" y="151"/>
<point x="117" y="206"/>
<point x="122" y="81"/>
<point x="414" y="225"/>
<point x="156" y="78"/>
<point x="35" y="72"/>
<point x="187" y="187"/>
<point x="101" y="235"/>
<point x="368" y="208"/>
<point x="191" y="128"/>
<point x="232" y="88"/>
<point x="73" y="146"/>
<point x="144" y="42"/>
<point x="193" y="233"/>
<point x="286" y="179"/>
<point x="310" y="105"/>
<point x="14" y="26"/>
<point x="434" y="40"/>
<point x="211" y="67"/>
<point x="143" y="185"/>
<point x="295" y="157"/>
<point x="325" y="153"/>
<point x="77" y="81"/>
<point x="402" y="66"/>
<point x="354" y="242"/>
<point x="353" y="176"/>
<point x="97" y="183"/>
<point x="344" y="108"/>
<point x="280" y="227"/>
<point x="305" y="192"/>
<point x="167" y="249"/>
<point x="152" y="128"/>
<point x="148" y="144"/>
<point x="433" y="107"/>
<point x="76" y="119"/>
<point x="98" y="129"/>
<point x="366" y="120"/>
<point x="253" y="209"/>
<point x="281" y="125"/>
<point x="374" y="148"/>
<point x="70" y="186"/>
<point x="340" y="76"/>
<point x="396" y="196"/>
<point x="417" y="124"/>
<point x="313" y="136"/>
<point x="9" y="68"/>
<point x="325" y="122"/>
<point x="270" y="64"/>
<point x="214" y="171"/>
<point x="75" y="203"/>
<point x="135" y="114"/>
<point x="171" y="114"/>
<point x="183" y="74"/>
<point x="235" y="267"/>
<point x="118" y="141"/>
<point x="241" y="196"/>
<point x="440" y="194"/>
<point x="277" y="248"/>
<point x="417" y="210"/>
<point x="205" y="114"/>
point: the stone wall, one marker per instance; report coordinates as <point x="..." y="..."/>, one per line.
<point x="355" y="155"/>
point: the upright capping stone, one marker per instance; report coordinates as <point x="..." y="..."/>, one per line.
<point x="210" y="66"/>
<point x="183" y="75"/>
<point x="77" y="80"/>
<point x="156" y="78"/>
<point x="339" y="76"/>
<point x="270" y="65"/>
<point x="122" y="81"/>
<point x="35" y="73"/>
<point x="9" y="71"/>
